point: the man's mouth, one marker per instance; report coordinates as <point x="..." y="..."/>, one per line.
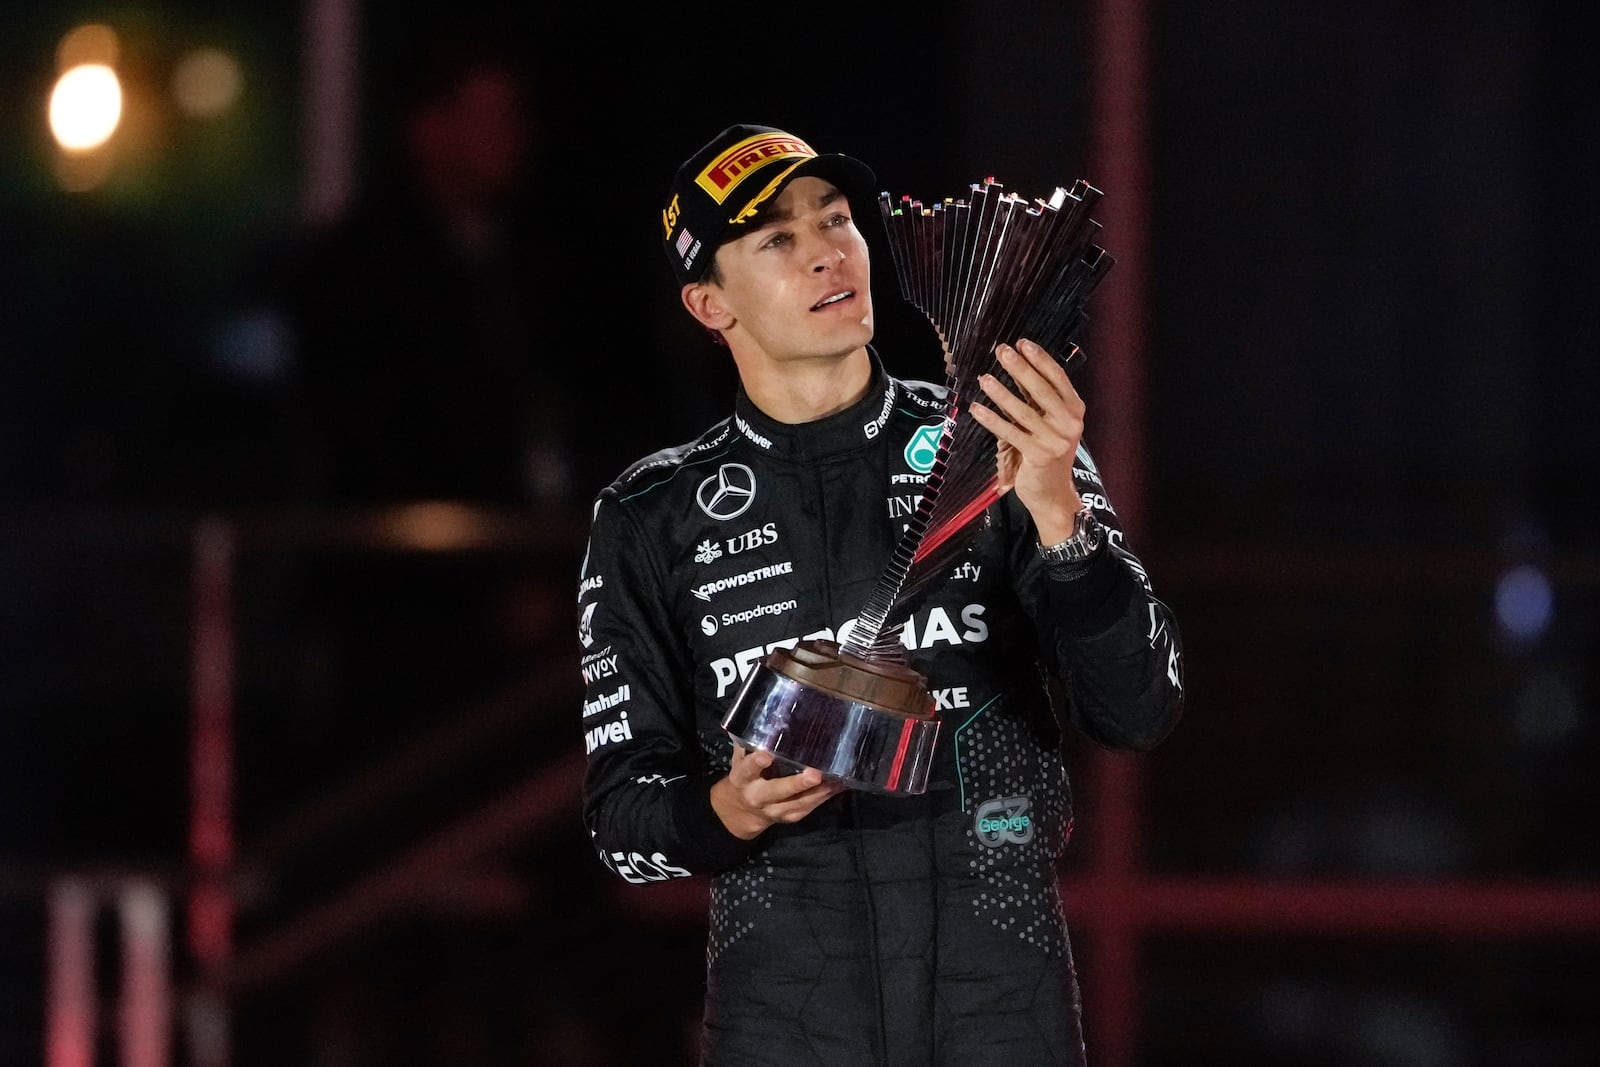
<point x="834" y="299"/>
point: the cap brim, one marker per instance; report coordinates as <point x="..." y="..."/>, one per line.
<point x="852" y="176"/>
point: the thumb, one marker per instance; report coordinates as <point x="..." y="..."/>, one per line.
<point x="747" y="763"/>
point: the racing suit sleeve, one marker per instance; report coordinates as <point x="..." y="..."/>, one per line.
<point x="647" y="784"/>
<point x="1113" y="644"/>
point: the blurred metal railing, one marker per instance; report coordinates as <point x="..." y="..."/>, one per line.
<point x="158" y="988"/>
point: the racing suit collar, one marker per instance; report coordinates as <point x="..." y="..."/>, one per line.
<point x="843" y="431"/>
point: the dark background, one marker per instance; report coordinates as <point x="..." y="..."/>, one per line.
<point x="1371" y="346"/>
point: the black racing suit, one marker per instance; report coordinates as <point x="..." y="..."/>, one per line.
<point x="882" y="930"/>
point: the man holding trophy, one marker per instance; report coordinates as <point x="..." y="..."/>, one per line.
<point x="854" y="920"/>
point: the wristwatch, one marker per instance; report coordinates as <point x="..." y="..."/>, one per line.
<point x="1087" y="537"/>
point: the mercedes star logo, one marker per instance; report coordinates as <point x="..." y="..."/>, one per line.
<point x="728" y="493"/>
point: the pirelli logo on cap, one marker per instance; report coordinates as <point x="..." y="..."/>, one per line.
<point x="723" y="174"/>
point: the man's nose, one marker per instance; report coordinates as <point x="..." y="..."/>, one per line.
<point x="829" y="256"/>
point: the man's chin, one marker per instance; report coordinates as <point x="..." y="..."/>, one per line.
<point x="859" y="332"/>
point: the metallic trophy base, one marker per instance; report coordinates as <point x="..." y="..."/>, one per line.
<point x="865" y="724"/>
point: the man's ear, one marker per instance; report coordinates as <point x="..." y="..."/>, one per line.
<point x="705" y="304"/>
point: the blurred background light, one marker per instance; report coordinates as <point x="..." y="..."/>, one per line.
<point x="206" y="83"/>
<point x="81" y="172"/>
<point x="1523" y="603"/>
<point x="254" y="346"/>
<point x="85" y="107"/>
<point x="434" y="526"/>
<point x="92" y="42"/>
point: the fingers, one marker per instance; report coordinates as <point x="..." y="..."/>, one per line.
<point x="803" y="803"/>
<point x="1047" y="419"/>
<point x="1037" y="363"/>
<point x="782" y="796"/>
<point x="1047" y="394"/>
<point x="1005" y="427"/>
<point x="748" y="763"/>
<point x="752" y="765"/>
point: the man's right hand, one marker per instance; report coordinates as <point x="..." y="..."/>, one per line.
<point x="748" y="803"/>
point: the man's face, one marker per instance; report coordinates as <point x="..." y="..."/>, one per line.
<point x="797" y="285"/>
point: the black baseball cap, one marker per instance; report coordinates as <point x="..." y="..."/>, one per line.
<point x="724" y="184"/>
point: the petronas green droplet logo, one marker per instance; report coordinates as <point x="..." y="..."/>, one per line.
<point x="923" y="448"/>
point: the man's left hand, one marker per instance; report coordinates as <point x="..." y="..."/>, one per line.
<point x="1038" y="434"/>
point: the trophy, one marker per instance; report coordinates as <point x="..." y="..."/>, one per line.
<point x="987" y="269"/>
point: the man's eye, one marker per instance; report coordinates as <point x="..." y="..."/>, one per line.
<point x="775" y="240"/>
<point x="837" y="220"/>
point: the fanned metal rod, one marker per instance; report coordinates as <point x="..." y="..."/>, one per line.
<point x="985" y="290"/>
<point x="1077" y="250"/>
<point x="954" y="266"/>
<point x="1061" y="317"/>
<point x="981" y="281"/>
<point x="943" y="227"/>
<point x="1041" y="298"/>
<point x="927" y="250"/>
<point x="894" y="232"/>
<point x="1014" y="260"/>
<point x="975" y="262"/>
<point x="1028" y="246"/>
<point x="1040" y="260"/>
<point x="911" y="223"/>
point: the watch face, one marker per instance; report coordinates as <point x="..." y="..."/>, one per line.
<point x="1087" y="534"/>
<point x="1092" y="533"/>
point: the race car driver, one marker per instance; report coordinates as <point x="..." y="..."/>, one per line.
<point x="848" y="927"/>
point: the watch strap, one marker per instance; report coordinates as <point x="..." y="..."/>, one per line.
<point x="1088" y="534"/>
